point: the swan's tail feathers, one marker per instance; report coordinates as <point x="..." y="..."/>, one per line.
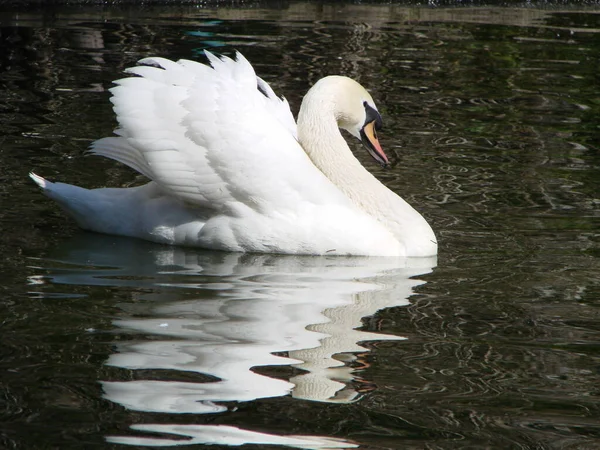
<point x="41" y="182"/>
<point x="75" y="201"/>
<point x="119" y="149"/>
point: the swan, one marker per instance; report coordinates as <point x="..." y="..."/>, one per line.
<point x="231" y="170"/>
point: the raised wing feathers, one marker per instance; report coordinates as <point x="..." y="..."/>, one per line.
<point x="208" y="136"/>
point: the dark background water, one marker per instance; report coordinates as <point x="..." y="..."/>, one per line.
<point x="492" y="118"/>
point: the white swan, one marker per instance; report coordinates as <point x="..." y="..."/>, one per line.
<point x="231" y="171"/>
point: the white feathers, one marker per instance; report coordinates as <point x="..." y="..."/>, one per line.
<point x="228" y="171"/>
<point x="199" y="132"/>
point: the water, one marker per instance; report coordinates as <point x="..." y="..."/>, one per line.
<point x="491" y="116"/>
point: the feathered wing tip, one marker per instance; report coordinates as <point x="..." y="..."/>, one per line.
<point x="238" y="70"/>
<point x="183" y="71"/>
<point x="120" y="150"/>
<point x="278" y="106"/>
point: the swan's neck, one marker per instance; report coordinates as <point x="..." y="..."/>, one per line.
<point x="319" y="135"/>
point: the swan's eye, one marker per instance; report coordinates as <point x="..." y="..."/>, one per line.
<point x="372" y="116"/>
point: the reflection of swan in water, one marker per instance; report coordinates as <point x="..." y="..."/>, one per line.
<point x="221" y="314"/>
<point x="222" y="434"/>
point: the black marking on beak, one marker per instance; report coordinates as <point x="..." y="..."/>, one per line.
<point x="372" y="115"/>
<point x="368" y="135"/>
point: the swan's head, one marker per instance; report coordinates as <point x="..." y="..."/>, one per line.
<point x="355" y="112"/>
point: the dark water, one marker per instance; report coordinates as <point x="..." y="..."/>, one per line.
<point x="492" y="117"/>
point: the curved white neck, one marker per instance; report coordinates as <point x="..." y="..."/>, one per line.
<point x="319" y="135"/>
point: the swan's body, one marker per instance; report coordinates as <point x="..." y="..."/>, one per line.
<point x="231" y="171"/>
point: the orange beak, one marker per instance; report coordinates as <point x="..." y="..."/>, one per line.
<point x="369" y="140"/>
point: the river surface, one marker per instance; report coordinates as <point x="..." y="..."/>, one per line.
<point x="491" y="116"/>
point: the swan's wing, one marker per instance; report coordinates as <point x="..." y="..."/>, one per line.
<point x="212" y="135"/>
<point x="277" y="106"/>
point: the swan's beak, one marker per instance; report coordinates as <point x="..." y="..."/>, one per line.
<point x="369" y="140"/>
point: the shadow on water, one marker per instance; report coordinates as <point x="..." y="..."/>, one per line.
<point x="226" y="318"/>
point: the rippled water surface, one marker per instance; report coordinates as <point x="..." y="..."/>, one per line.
<point x="492" y="118"/>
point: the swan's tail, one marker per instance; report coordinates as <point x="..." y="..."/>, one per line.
<point x="77" y="202"/>
<point x="142" y="211"/>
